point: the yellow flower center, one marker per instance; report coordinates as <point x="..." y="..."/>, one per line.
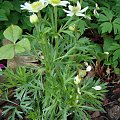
<point x="55" y="1"/>
<point x="75" y="9"/>
<point x="36" y="5"/>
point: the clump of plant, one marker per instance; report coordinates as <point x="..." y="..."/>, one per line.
<point x="60" y="87"/>
<point x="56" y="96"/>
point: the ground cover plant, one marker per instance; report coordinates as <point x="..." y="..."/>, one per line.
<point x="76" y="45"/>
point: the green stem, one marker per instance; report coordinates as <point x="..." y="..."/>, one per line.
<point x="76" y="36"/>
<point x="55" y="15"/>
<point x="56" y="35"/>
<point x="65" y="25"/>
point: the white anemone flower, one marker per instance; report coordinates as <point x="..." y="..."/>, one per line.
<point x="58" y="3"/>
<point x="35" y="6"/>
<point x="97" y="87"/>
<point x="76" y="10"/>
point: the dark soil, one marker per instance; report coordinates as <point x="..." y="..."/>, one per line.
<point x="111" y="104"/>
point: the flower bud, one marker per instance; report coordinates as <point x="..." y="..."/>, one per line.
<point x="72" y="28"/>
<point x="33" y="18"/>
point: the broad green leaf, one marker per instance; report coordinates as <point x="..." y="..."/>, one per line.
<point x="107" y="44"/>
<point x="17" y="6"/>
<point x="116" y="55"/>
<point x="19" y="49"/>
<point x="13" y="33"/>
<point x="24" y="43"/>
<point x="108" y="14"/>
<point x="106" y="27"/>
<point x="114" y="46"/>
<point x="3" y="16"/>
<point x="15" y="18"/>
<point x="97" y="48"/>
<point x="103" y="18"/>
<point x="116" y="25"/>
<point x="7" y="52"/>
<point x="7" y="6"/>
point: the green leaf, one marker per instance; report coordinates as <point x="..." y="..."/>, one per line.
<point x="7" y="52"/>
<point x="15" y="18"/>
<point x="17" y="6"/>
<point x="108" y="13"/>
<point x="19" y="49"/>
<point x="22" y="45"/>
<point x="68" y="32"/>
<point x="13" y="33"/>
<point x="117" y="71"/>
<point x="116" y="55"/>
<point x="107" y="44"/>
<point x="106" y="27"/>
<point x="3" y="16"/>
<point x="7" y="6"/>
<point x="103" y="18"/>
<point x="82" y="25"/>
<point x="47" y="30"/>
<point x="116" y="25"/>
<point x="114" y="46"/>
<point x="1" y="35"/>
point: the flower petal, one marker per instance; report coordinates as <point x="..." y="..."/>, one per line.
<point x="26" y="6"/>
<point x="67" y="11"/>
<point x="78" y="5"/>
<point x="64" y="3"/>
<point x="80" y="14"/>
<point x="70" y="14"/>
<point x="83" y="10"/>
<point x="70" y="7"/>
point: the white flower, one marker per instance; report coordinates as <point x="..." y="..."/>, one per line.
<point x="33" y="18"/>
<point x="58" y="3"/>
<point x="88" y="68"/>
<point x="107" y="53"/>
<point x="35" y="6"/>
<point x="97" y="87"/>
<point x="77" y="80"/>
<point x="95" y="10"/>
<point x="76" y="10"/>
